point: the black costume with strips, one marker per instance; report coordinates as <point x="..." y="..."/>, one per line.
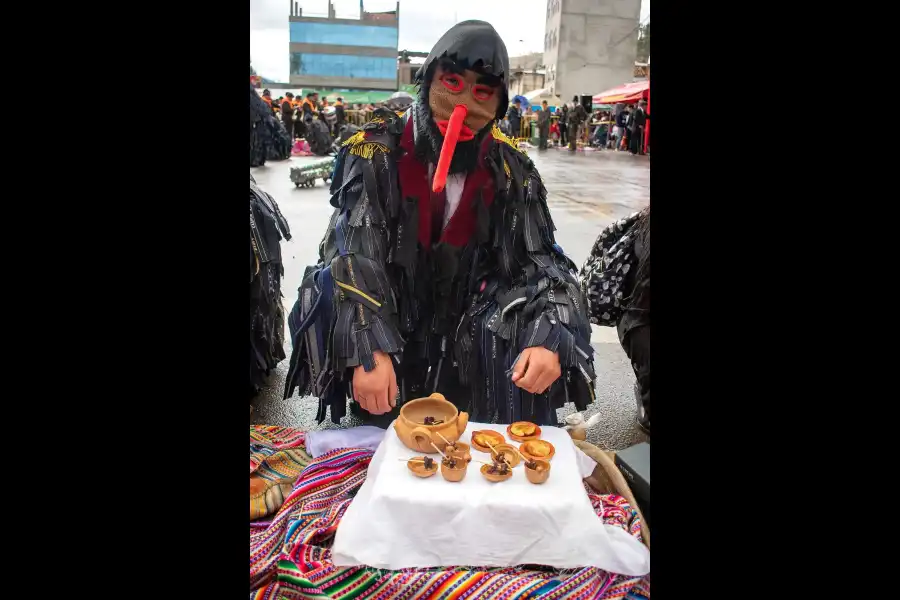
<point x="269" y="140"/>
<point x="267" y="228"/>
<point x="454" y="317"/>
<point x="615" y="279"/>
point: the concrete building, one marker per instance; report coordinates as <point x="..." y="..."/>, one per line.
<point x="526" y="73"/>
<point x="525" y="80"/>
<point x="590" y="45"/>
<point x="356" y="54"/>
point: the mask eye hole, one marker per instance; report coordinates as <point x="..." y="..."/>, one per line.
<point x="482" y="92"/>
<point x="452" y="82"/>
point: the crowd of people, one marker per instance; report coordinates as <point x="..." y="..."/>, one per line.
<point x="621" y="129"/>
<point x="627" y="131"/>
<point x="298" y="114"/>
<point x="321" y="124"/>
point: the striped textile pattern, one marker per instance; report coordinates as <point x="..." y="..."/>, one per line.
<point x="277" y="457"/>
<point x="290" y="556"/>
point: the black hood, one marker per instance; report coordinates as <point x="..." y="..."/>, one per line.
<point x="473" y="45"/>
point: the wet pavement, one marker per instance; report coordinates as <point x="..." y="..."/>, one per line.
<point x="586" y="192"/>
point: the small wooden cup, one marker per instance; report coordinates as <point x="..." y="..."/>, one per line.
<point x="417" y="466"/>
<point x="495" y="477"/>
<point x="461" y="450"/>
<point x="509" y="451"/>
<point x="456" y="474"/>
<point x="540" y="474"/>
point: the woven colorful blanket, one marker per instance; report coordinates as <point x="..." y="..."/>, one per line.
<point x="290" y="556"/>
<point x="277" y="457"/>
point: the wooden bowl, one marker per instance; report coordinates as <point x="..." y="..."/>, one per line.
<point x="527" y="447"/>
<point x="496" y="439"/>
<point x="462" y="450"/>
<point x="456" y="474"/>
<point x="494" y="477"/>
<point x="416" y="435"/>
<point x="540" y="474"/>
<point x="523" y="438"/>
<point x="417" y="466"/>
<point x="509" y="451"/>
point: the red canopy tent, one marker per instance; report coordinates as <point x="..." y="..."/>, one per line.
<point x="630" y="92"/>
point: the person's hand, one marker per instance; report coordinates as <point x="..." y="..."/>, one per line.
<point x="376" y="391"/>
<point x="536" y="370"/>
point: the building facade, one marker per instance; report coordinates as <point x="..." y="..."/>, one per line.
<point x="590" y="45"/>
<point x="357" y="54"/>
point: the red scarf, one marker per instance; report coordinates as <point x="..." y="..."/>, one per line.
<point x="415" y="183"/>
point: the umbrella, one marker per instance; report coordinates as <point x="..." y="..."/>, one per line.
<point x="521" y="99"/>
<point x="538" y="96"/>
<point x="400" y="100"/>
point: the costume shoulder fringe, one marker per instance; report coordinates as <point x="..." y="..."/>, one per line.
<point x="359" y="146"/>
<point x="502" y="137"/>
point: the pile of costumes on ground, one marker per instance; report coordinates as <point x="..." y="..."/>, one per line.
<point x="267" y="227"/>
<point x="269" y="140"/>
<point x="296" y="506"/>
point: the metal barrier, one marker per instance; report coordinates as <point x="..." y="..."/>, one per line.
<point x="359" y="117"/>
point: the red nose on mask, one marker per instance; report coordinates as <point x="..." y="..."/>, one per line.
<point x="449" y="147"/>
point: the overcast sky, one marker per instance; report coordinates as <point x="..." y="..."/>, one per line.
<point x="519" y="22"/>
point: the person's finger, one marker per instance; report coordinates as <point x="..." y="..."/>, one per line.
<point x="393" y="390"/>
<point x="381" y="400"/>
<point x="372" y="398"/>
<point x="546" y="380"/>
<point x="521" y="366"/>
<point x="532" y="375"/>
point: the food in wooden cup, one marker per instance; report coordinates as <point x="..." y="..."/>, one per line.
<point x="426" y="421"/>
<point x="499" y="471"/>
<point x="422" y="466"/>
<point x="537" y="449"/>
<point x="537" y="471"/>
<point x="454" y="468"/>
<point x="509" y="452"/>
<point x="523" y="431"/>
<point x="484" y="439"/>
<point x="459" y="449"/>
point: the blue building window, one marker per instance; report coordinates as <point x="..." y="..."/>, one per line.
<point x="344" y="35"/>
<point x="343" y="65"/>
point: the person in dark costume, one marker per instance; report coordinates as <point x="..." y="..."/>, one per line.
<point x="267" y="98"/>
<point x="564" y="126"/>
<point x="616" y="281"/>
<point x="268" y="138"/>
<point x="577" y="119"/>
<point x="543" y="125"/>
<point x="267" y="228"/>
<point x="640" y="117"/>
<point x="439" y="270"/>
<point x="287" y="114"/>
<point x="340" y="116"/>
<point x="514" y="114"/>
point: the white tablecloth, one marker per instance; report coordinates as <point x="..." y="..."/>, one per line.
<point x="400" y="521"/>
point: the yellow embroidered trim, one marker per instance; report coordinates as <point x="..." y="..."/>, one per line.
<point x="356" y="138"/>
<point x="368" y="149"/>
<point x="353" y="289"/>
<point x="360" y="147"/>
<point x="502" y="137"/>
